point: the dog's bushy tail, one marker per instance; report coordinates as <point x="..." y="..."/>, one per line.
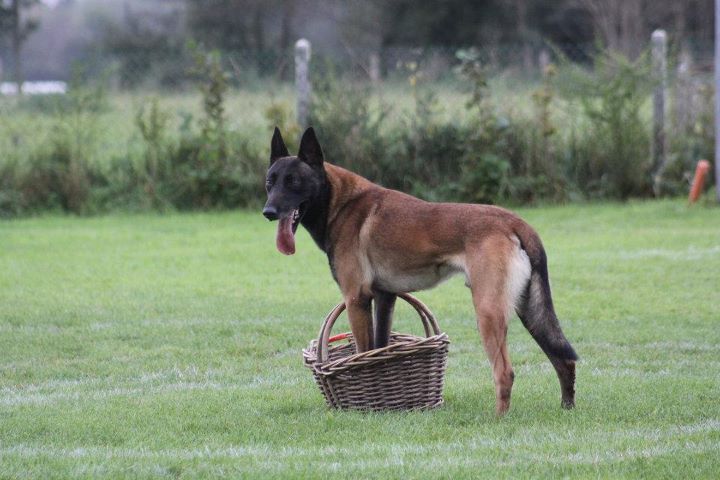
<point x="536" y="308"/>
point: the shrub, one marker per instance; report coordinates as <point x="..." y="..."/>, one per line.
<point x="59" y="174"/>
<point x="484" y="159"/>
<point x="489" y="154"/>
<point x="155" y="168"/>
<point x="690" y="141"/>
<point x="211" y="168"/>
<point x="351" y="131"/>
<point x="281" y="115"/>
<point x="609" y="155"/>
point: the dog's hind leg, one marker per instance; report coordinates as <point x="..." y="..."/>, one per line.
<point x="488" y="273"/>
<point x="537" y="313"/>
<point x="384" y="306"/>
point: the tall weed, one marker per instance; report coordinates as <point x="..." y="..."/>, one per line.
<point x="609" y="156"/>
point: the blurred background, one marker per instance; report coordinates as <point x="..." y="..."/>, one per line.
<point x="170" y="104"/>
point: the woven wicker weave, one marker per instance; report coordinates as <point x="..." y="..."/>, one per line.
<point x="406" y="374"/>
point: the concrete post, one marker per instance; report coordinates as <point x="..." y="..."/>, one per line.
<point x="659" y="139"/>
<point x="302" y="81"/>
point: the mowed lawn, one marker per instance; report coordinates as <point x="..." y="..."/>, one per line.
<point x="139" y="346"/>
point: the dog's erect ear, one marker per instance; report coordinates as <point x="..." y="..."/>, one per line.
<point x="310" y="151"/>
<point x="277" y="147"/>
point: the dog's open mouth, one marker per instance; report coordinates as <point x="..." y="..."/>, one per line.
<point x="287" y="227"/>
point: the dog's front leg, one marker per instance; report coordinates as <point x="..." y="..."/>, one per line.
<point x="384" y="306"/>
<point x="360" y="315"/>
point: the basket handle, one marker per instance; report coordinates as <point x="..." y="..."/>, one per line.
<point x="428" y="320"/>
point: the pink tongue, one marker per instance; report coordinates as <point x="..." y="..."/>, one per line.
<point x="285" y="239"/>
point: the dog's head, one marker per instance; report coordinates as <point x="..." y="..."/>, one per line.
<point x="292" y="183"/>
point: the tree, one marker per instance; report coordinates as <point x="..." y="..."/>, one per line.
<point x="619" y="23"/>
<point x="526" y="34"/>
<point x="18" y="29"/>
<point x="147" y="42"/>
<point x="259" y="28"/>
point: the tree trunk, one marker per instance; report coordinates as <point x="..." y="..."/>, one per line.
<point x="286" y="33"/>
<point x="619" y="23"/>
<point x="631" y="22"/>
<point x="523" y="34"/>
<point x="258" y="34"/>
<point x="258" y="30"/>
<point x="286" y="27"/>
<point x="16" y="45"/>
<point x="680" y="11"/>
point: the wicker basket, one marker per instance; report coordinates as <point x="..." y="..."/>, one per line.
<point x="406" y="374"/>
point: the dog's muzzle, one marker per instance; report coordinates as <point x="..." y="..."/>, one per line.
<point x="270" y="213"/>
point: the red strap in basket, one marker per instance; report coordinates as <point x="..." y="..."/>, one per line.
<point x="339" y="336"/>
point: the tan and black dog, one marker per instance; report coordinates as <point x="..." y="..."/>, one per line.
<point x="382" y="242"/>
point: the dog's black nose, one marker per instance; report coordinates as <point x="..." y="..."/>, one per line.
<point x="270" y="213"/>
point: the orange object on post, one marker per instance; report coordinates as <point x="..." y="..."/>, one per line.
<point x="703" y="167"/>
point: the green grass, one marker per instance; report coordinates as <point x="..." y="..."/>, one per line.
<point x="169" y="346"/>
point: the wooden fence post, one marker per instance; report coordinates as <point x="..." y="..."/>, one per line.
<point x="302" y="82"/>
<point x="543" y="61"/>
<point x="684" y="93"/>
<point x="659" y="74"/>
<point x="374" y="69"/>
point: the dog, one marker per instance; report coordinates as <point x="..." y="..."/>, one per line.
<point x="382" y="242"/>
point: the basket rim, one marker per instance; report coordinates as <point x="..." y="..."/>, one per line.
<point x="428" y="320"/>
<point x="391" y="352"/>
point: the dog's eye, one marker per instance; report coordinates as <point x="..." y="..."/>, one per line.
<point x="292" y="181"/>
<point x="269" y="181"/>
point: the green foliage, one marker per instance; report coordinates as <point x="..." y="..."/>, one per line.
<point x="11" y="198"/>
<point x="611" y="156"/>
<point x="152" y="124"/>
<point x="534" y="143"/>
<point x="204" y="166"/>
<point x="282" y="115"/>
<point x="580" y="133"/>
<point x="212" y="167"/>
<point x="213" y="84"/>
<point x="472" y="70"/>
<point x="60" y="174"/>
<point x="691" y="141"/>
<point x="422" y="153"/>
<point x="146" y="46"/>
<point x="428" y="161"/>
<point x="350" y="129"/>
<point x="485" y="162"/>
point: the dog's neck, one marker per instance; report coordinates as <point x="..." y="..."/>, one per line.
<point x="315" y="219"/>
<point x="331" y="199"/>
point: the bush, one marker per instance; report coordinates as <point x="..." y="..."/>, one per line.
<point x="491" y="153"/>
<point x="58" y="175"/>
<point x="609" y="157"/>
<point x="207" y="167"/>
<point x="419" y="154"/>
<point x="691" y="140"/>
<point x="350" y="129"/>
